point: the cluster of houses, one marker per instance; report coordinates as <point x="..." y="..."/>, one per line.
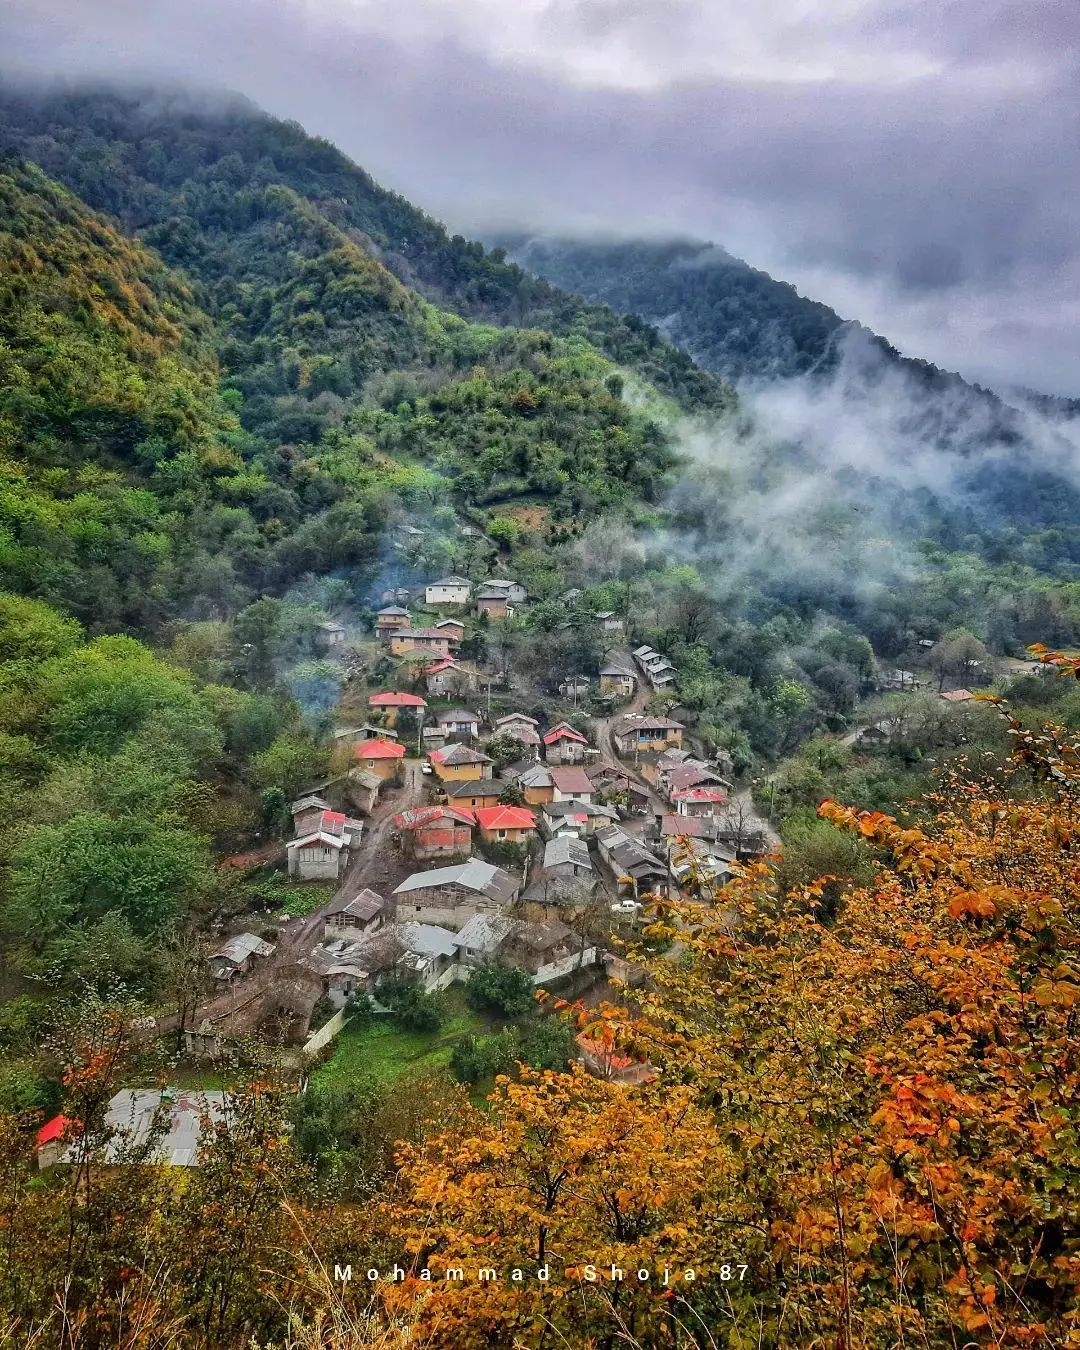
<point x="436" y="927"/>
<point x="656" y="668"/>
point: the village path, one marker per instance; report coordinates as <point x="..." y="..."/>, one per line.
<point x="609" y="755"/>
<point x="368" y="866"/>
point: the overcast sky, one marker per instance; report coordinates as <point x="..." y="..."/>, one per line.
<point x="914" y="163"/>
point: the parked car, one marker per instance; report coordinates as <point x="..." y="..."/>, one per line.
<point x="426" y="768"/>
<point x="626" y="907"/>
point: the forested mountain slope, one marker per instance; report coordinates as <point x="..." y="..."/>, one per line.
<point x="310" y="400"/>
<point x="196" y="174"/>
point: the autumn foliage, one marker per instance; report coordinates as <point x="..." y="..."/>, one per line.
<point x="861" y="1132"/>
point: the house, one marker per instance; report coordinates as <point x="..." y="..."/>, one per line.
<point x="747" y="833"/>
<point x="322" y="852"/>
<point x="567" y="858"/>
<point x="53" y="1139"/>
<point x="432" y="642"/>
<point x="536" y="784"/>
<point x="568" y="781"/>
<point x="575" y="818"/>
<point x="343" y="966"/>
<point x="452" y="895"/>
<point x="658" y="669"/>
<point x="655" y="765"/>
<point x="613" y="1065"/>
<point x="661" y="675"/>
<point x="522" y="728"/>
<point x="513" y="724"/>
<point x="566" y="876"/>
<point x="239" y="956"/>
<point x="392" y="703"/>
<point x="435" y="831"/>
<point x="362" y="790"/>
<point x="609" y="621"/>
<point x="574" y="686"/>
<point x="390" y="618"/>
<point x="874" y="736"/>
<point x="618" y="680"/>
<point x="347" y="737"/>
<point x="448" y="591"/>
<point x="492" y="602"/>
<point x="446" y="677"/>
<point x="458" y="722"/>
<point x="957" y="696"/>
<point x="472" y="794"/>
<point x="515" y="593"/>
<point x="430" y="958"/>
<point x="354" y="917"/>
<point x="606" y="777"/>
<point x="453" y="628"/>
<point x="156" y="1125"/>
<point x="564" y="745"/>
<point x="330" y="636"/>
<point x="899" y="681"/>
<point x="481" y="937"/>
<point x="505" y="824"/>
<point x="698" y="801"/>
<point x="306" y="812"/>
<point x="632" y="863"/>
<point x="548" y="951"/>
<point x="634" y="733"/>
<point x="700" y="865"/>
<point x="459" y="763"/>
<point x="380" y="757"/>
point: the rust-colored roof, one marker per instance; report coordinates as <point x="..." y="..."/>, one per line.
<point x="700" y="794"/>
<point x="394" y="700"/>
<point x="570" y="778"/>
<point x="504" y="818"/>
<point x="379" y="750"/>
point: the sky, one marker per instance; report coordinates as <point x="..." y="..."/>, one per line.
<point x="913" y="163"/>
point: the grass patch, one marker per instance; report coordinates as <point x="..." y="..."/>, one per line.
<point x="383" y="1052"/>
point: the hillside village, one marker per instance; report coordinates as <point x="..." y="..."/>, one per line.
<point x="480" y="816"/>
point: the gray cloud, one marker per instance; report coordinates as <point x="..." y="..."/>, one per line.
<point x="914" y="165"/>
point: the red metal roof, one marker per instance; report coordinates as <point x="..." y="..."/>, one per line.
<point x="504" y="818"/>
<point x="379" y="750"/>
<point x="564" y="733"/>
<point x="52" y="1129"/>
<point x="394" y="700"/>
<point x="699" y="794"/>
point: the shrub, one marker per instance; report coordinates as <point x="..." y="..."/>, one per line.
<point x="506" y="990"/>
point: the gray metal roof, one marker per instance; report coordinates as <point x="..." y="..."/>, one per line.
<point x="472" y="875"/>
<point x="427" y="939"/>
<point x="484" y="932"/>
<point x="239" y="948"/>
<point x="134" y="1112"/>
<point x="559" y="852"/>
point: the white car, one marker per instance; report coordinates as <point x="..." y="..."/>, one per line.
<point x="426" y="768"/>
<point x="627" y="907"/>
